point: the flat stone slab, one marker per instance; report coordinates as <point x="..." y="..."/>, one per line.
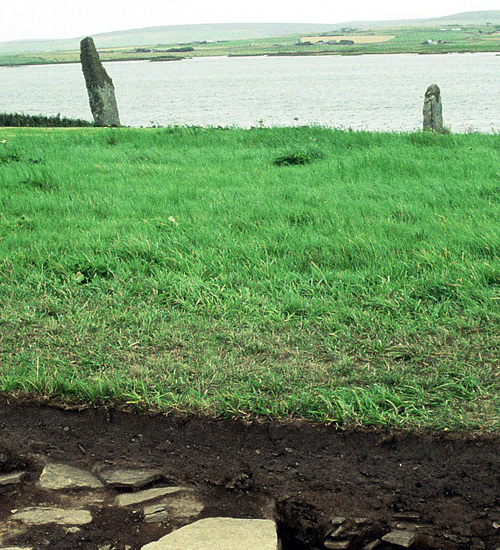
<point x="221" y="534"/>
<point x="127" y="478"/>
<point x="60" y="476"/>
<point x="183" y="506"/>
<point x="11" y="479"/>
<point x="42" y="516"/>
<point x="157" y="513"/>
<point x="131" y="499"/>
<point x="400" y="538"/>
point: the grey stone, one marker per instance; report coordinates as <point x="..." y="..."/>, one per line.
<point x="371" y="545"/>
<point x="337" y="545"/>
<point x="433" y="109"/>
<point x="42" y="516"/>
<point x="338" y="520"/>
<point x="337" y="532"/>
<point x="12" y="479"/>
<point x="221" y="534"/>
<point x="14" y="548"/>
<point x="60" y="476"/>
<point x="99" y="86"/>
<point x="400" y="538"/>
<point x="184" y="506"/>
<point x="407" y="516"/>
<point x="133" y="479"/>
<point x="156" y="514"/>
<point x="131" y="499"/>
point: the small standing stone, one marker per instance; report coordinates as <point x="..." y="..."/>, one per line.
<point x="433" y="109"/>
<point x="99" y="86"/>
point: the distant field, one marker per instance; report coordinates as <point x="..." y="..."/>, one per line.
<point x="342" y="276"/>
<point x="357" y="39"/>
<point x="425" y="39"/>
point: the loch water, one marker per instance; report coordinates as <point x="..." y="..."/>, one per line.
<point x="367" y="92"/>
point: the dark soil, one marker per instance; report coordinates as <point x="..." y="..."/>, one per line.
<point x="445" y="487"/>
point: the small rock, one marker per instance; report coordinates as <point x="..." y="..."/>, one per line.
<point x="42" y="516"/>
<point x="156" y="514"/>
<point x="371" y="545"/>
<point x="400" y="538"/>
<point x="221" y="534"/>
<point x="407" y="516"/>
<point x="404" y="526"/>
<point x="337" y="532"/>
<point x="132" y="479"/>
<point x="12" y="479"/>
<point x="337" y="544"/>
<point x="496" y="525"/>
<point x="184" y="506"/>
<point x="339" y="520"/>
<point x="60" y="476"/>
<point x="361" y="521"/>
<point x="130" y="499"/>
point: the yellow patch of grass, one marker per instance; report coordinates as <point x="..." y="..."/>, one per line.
<point x="375" y="39"/>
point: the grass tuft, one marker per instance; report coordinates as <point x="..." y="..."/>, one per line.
<point x="299" y="157"/>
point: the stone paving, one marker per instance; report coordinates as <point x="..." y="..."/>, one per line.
<point x="130" y="489"/>
<point x="221" y="534"/>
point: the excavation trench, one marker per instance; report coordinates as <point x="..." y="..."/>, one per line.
<point x="324" y="487"/>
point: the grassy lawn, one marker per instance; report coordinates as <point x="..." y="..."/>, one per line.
<point x="196" y="270"/>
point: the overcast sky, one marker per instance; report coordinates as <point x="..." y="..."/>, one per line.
<point x="22" y="19"/>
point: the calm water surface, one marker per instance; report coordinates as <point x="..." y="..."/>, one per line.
<point x="373" y="92"/>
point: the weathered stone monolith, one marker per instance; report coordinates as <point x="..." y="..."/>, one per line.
<point x="433" y="109"/>
<point x="99" y="86"/>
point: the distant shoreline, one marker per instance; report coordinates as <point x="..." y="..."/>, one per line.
<point x="243" y="55"/>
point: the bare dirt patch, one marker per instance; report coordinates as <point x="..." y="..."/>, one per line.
<point x="325" y="487"/>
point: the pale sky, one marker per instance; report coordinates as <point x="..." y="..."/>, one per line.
<point x="21" y="19"/>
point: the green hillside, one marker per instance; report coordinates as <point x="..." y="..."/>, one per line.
<point x="172" y="34"/>
<point x="175" y="34"/>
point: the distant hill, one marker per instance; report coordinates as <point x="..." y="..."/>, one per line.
<point x="465" y="18"/>
<point x="175" y="34"/>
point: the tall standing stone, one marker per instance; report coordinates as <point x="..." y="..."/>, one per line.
<point x="433" y="109"/>
<point x="99" y="86"/>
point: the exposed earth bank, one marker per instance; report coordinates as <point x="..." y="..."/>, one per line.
<point x="325" y="487"/>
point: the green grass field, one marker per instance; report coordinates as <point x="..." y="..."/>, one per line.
<point x="197" y="270"/>
<point x="446" y="39"/>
